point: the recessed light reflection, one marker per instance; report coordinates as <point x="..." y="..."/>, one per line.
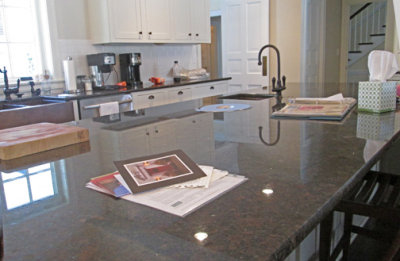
<point x="267" y="191"/>
<point x="201" y="236"/>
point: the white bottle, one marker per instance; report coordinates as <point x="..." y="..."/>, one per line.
<point x="176" y="72"/>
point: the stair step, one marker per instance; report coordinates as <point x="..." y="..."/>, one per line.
<point x="366" y="43"/>
<point x="355" y="52"/>
<point x="377" y="35"/>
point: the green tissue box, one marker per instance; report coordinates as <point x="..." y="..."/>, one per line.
<point x="376" y="96"/>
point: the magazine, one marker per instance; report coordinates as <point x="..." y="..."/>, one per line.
<point x="179" y="199"/>
<point x="160" y="170"/>
<point x="108" y="184"/>
<point x="316" y="108"/>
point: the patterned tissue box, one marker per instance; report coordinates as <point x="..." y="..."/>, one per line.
<point x="376" y="96"/>
<point x="375" y="126"/>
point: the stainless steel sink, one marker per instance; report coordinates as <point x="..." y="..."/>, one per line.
<point x="249" y="96"/>
<point x="20" y="103"/>
<point x="27" y="111"/>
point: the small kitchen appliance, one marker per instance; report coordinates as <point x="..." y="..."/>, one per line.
<point x="99" y="64"/>
<point x="130" y="71"/>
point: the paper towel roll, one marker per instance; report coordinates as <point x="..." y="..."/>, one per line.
<point x="69" y="75"/>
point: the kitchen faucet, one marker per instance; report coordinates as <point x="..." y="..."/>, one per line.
<point x="7" y="90"/>
<point x="280" y="84"/>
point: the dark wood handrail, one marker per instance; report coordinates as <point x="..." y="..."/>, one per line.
<point x="360" y="10"/>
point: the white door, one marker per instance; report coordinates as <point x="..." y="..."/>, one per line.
<point x="125" y="20"/>
<point x="156" y="19"/>
<point x="245" y="29"/>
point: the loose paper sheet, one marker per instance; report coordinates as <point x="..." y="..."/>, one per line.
<point x="183" y="201"/>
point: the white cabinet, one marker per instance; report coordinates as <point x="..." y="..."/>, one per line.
<point x="124" y="141"/>
<point x="195" y="136"/>
<point x="200" y="13"/>
<point x="149" y="21"/>
<point x="191" y="21"/>
<point x="209" y="89"/>
<point x="179" y="94"/>
<point x="156" y="18"/>
<point x="130" y="21"/>
<point x="149" y="99"/>
<point x="124" y="19"/>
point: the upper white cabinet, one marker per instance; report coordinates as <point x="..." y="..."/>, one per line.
<point x="124" y="21"/>
<point x="156" y="18"/>
<point x="152" y="21"/>
<point x="191" y="21"/>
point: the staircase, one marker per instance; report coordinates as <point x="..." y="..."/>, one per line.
<point x="367" y="30"/>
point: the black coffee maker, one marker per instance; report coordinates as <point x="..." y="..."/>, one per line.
<point x="130" y="63"/>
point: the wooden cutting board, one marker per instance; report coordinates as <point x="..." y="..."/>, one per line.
<point x="29" y="139"/>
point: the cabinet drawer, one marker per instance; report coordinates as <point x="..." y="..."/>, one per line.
<point x="179" y="94"/>
<point x="149" y="99"/>
<point x="209" y="90"/>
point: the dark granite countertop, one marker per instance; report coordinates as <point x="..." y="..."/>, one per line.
<point x="55" y="95"/>
<point x="309" y="169"/>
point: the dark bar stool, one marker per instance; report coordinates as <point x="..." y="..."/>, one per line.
<point x="376" y="196"/>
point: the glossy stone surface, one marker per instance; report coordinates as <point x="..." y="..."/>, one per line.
<point x="309" y="169"/>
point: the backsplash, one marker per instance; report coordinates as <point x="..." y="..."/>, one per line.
<point x="157" y="59"/>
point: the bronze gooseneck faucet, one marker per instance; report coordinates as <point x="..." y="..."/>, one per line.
<point x="280" y="84"/>
<point x="7" y="90"/>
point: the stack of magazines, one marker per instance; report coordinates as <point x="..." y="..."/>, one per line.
<point x="334" y="107"/>
<point x="170" y="182"/>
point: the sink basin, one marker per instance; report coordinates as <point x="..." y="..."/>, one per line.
<point x="20" y="103"/>
<point x="249" y="96"/>
<point x="28" y="111"/>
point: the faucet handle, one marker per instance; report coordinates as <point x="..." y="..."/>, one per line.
<point x="284" y="80"/>
<point x="273" y="83"/>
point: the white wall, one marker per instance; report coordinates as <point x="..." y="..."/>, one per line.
<point x="70" y="37"/>
<point x="285" y="33"/>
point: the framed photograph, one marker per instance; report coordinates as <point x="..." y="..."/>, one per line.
<point x="158" y="170"/>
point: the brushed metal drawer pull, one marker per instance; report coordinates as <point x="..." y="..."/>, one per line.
<point x="180" y="92"/>
<point x="212" y="88"/>
<point x="96" y="106"/>
<point x="151" y="97"/>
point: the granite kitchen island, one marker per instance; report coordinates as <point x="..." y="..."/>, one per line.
<point x="308" y="169"/>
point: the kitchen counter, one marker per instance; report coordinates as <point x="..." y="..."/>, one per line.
<point x="58" y="94"/>
<point x="310" y="167"/>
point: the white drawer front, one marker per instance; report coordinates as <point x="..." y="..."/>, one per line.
<point x="179" y="94"/>
<point x="149" y="99"/>
<point x="208" y="90"/>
